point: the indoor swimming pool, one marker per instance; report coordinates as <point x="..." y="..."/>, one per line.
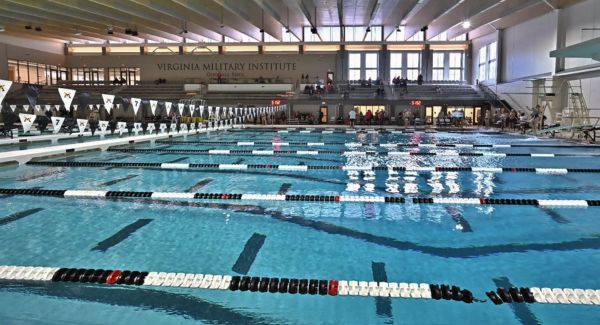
<point x="394" y="207"/>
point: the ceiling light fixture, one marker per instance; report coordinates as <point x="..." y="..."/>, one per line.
<point x="466" y="24"/>
<point x="368" y="29"/>
<point x="109" y="30"/>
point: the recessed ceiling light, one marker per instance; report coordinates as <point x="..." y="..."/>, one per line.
<point x="466" y="24"/>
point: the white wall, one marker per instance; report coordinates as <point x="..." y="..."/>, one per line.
<point x="181" y="67"/>
<point x="20" y="48"/>
<point x="582" y="15"/>
<point x="527" y="46"/>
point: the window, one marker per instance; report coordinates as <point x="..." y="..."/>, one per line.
<point x="493" y="56"/>
<point x="488" y="61"/>
<point x="287" y="36"/>
<point x="35" y="73"/>
<point x="482" y="63"/>
<point x="397" y="35"/>
<point x="360" y="34"/>
<point x="438" y="66"/>
<point x="327" y="34"/>
<point x="440" y="37"/>
<point x="354" y="65"/>
<point x="455" y="66"/>
<point x="462" y="37"/>
<point x="363" y="66"/>
<point x="371" y="66"/>
<point x="413" y="65"/>
<point x="396" y="65"/>
<point x="418" y="37"/>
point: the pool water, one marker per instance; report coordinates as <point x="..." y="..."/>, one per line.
<point x="478" y="248"/>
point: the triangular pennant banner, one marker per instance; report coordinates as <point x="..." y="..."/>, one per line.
<point x="26" y="121"/>
<point x="192" y="108"/>
<point x="13" y="107"/>
<point x="57" y="107"/>
<point x="26" y="108"/>
<point x="47" y="107"/>
<point x="181" y="107"/>
<point x="135" y="102"/>
<point x="4" y="87"/>
<point x="121" y="126"/>
<point x="57" y="123"/>
<point x="108" y="101"/>
<point x="168" y="106"/>
<point x="103" y="125"/>
<point x="153" y="105"/>
<point x="67" y="96"/>
<point x="81" y="124"/>
<point x="38" y="108"/>
<point x="75" y="107"/>
<point x="201" y="110"/>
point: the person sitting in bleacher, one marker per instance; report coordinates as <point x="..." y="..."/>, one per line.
<point x="9" y="119"/>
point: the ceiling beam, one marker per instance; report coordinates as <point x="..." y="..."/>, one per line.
<point x="215" y="12"/>
<point x="395" y="16"/>
<point x="254" y="14"/>
<point x="426" y="15"/>
<point x="457" y="15"/>
<point x="291" y="20"/>
<point x="58" y="15"/>
<point x="490" y="15"/>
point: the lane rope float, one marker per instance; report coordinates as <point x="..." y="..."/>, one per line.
<point x="537" y="170"/>
<point x="332" y="287"/>
<point x="350" y="153"/>
<point x="298" y="198"/>
<point x="385" y="145"/>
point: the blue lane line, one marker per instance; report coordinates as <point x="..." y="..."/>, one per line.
<point x="177" y="160"/>
<point x="121" y="235"/>
<point x="383" y="306"/>
<point x="160" y="301"/>
<point x="521" y="310"/>
<point x="555" y="216"/>
<point x="18" y="215"/>
<point x="199" y="185"/>
<point x="118" y="180"/>
<point x="587" y="242"/>
<point x="248" y="255"/>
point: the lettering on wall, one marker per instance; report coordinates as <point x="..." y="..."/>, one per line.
<point x="228" y="68"/>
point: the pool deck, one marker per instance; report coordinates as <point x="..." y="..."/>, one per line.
<point x="47" y="137"/>
<point x="23" y="156"/>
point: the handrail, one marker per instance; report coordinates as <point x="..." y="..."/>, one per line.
<point x="491" y="96"/>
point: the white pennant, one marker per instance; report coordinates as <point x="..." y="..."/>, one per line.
<point x="47" y="107"/>
<point x="103" y="125"/>
<point x="67" y="96"/>
<point x="209" y="111"/>
<point x="121" y="126"/>
<point x="37" y="108"/>
<point x="192" y="107"/>
<point x="13" y="107"/>
<point x="56" y="123"/>
<point x="201" y="110"/>
<point x="168" y="106"/>
<point x="98" y="106"/>
<point x="81" y="124"/>
<point x="26" y="107"/>
<point x="135" y="102"/>
<point x="57" y="107"/>
<point x="26" y="121"/>
<point x="75" y="107"/>
<point x="4" y="87"/>
<point x="91" y="106"/>
<point x="153" y="105"/>
<point x="181" y="107"/>
<point x="108" y="101"/>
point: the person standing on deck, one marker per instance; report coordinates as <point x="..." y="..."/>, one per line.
<point x="352" y="116"/>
